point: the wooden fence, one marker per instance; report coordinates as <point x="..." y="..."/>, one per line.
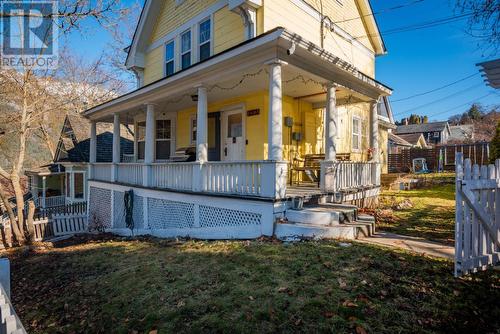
<point x="402" y="162"/>
<point x="477" y="221"/>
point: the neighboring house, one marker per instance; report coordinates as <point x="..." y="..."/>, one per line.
<point x="400" y="142"/>
<point x="65" y="180"/>
<point x="247" y="85"/>
<point x="461" y="134"/>
<point x="434" y="133"/>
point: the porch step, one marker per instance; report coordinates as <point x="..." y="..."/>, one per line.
<point x="316" y="215"/>
<point x="347" y="213"/>
<point x="287" y="231"/>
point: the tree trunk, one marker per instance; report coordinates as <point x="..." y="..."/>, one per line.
<point x="13" y="223"/>
<point x="29" y="220"/>
<point x="16" y="184"/>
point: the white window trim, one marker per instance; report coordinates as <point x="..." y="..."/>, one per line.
<point x="190" y="48"/>
<point x="359" y="133"/>
<point x="73" y="185"/>
<point x="165" y="61"/>
<point x="191" y="119"/>
<point x="172" y="135"/>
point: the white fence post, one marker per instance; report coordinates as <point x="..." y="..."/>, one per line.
<point x="5" y="275"/>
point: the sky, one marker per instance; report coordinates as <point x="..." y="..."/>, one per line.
<point x="417" y="61"/>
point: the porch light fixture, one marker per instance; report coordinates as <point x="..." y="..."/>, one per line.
<point x="194" y="98"/>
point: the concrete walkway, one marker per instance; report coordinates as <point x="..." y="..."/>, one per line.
<point x="413" y="244"/>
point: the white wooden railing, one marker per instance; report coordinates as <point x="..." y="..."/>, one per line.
<point x="9" y="321"/>
<point x="130" y="173"/>
<point x="101" y="171"/>
<point x="250" y="178"/>
<point x="341" y="176"/>
<point x="50" y="202"/>
<point x="177" y="176"/>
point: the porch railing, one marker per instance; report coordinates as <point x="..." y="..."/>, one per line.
<point x="101" y="171"/>
<point x="250" y="178"/>
<point x="50" y="202"/>
<point x="342" y="176"/>
<point x="129" y="173"/>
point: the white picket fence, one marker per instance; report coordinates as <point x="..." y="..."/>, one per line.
<point x="477" y="220"/>
<point x="9" y="321"/>
<point x="69" y="223"/>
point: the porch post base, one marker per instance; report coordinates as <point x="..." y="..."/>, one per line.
<point x="274" y="178"/>
<point x="327" y="176"/>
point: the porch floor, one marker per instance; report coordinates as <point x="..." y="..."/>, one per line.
<point x="307" y="191"/>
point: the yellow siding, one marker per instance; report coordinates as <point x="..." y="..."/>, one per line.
<point x="383" y="141"/>
<point x="344" y="142"/>
<point x="173" y="16"/>
<point x="228" y="30"/>
<point x="283" y="13"/>
<point x="154" y="65"/>
<point x="305" y="120"/>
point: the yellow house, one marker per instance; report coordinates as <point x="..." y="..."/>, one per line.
<point x="234" y="99"/>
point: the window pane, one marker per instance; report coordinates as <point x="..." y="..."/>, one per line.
<point x="163" y="149"/>
<point x="169" y="69"/>
<point x="193" y="130"/>
<point x="204" y="31"/>
<point x="78" y="185"/>
<point x="186" y="60"/>
<point x="169" y="51"/>
<point x="141" y="130"/>
<point x="186" y="42"/>
<point x="355" y="125"/>
<point x="163" y="129"/>
<point x="141" y="148"/>
<point x="204" y="51"/>
<point x="234" y="126"/>
<point x="355" y="142"/>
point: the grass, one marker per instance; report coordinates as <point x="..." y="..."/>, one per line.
<point x="254" y="286"/>
<point x="432" y="215"/>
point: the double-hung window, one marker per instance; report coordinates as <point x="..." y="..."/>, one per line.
<point x="163" y="139"/>
<point x="204" y="39"/>
<point x="193" y="130"/>
<point x="186" y="49"/>
<point x="78" y="182"/>
<point x="141" y="140"/>
<point x="356" y="134"/>
<point x="169" y="58"/>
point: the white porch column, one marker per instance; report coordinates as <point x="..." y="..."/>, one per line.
<point x="149" y="149"/>
<point x="374" y="131"/>
<point x="275" y="125"/>
<point x="331" y="119"/>
<point x="202" y="126"/>
<point x="116" y="147"/>
<point x="93" y="148"/>
<point x="44" y="190"/>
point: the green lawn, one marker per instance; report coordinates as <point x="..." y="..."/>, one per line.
<point x="431" y="215"/>
<point x="254" y="286"/>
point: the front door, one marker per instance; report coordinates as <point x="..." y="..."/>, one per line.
<point x="233" y="141"/>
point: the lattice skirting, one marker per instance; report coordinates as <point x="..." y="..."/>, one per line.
<point x="175" y="214"/>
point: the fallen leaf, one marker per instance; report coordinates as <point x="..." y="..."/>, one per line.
<point x="349" y="303"/>
<point x="154" y="331"/>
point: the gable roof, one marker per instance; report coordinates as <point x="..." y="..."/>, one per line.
<point x="74" y="141"/>
<point x="412" y="138"/>
<point x="461" y="132"/>
<point x="421" y="128"/>
<point x="398" y="140"/>
<point x="152" y="9"/>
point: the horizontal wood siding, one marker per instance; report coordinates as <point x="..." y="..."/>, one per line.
<point x="228" y="30"/>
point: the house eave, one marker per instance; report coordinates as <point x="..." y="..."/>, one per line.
<point x="271" y="45"/>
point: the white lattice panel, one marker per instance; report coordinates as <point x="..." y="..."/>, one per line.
<point x="164" y="214"/>
<point x="100" y="206"/>
<point x="118" y="210"/>
<point x="138" y="214"/>
<point x="220" y="217"/>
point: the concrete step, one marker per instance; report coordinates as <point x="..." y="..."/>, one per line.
<point x="313" y="215"/>
<point x="294" y="231"/>
<point x="347" y="213"/>
<point x="366" y="218"/>
<point x="362" y="229"/>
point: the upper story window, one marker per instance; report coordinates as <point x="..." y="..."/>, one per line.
<point x="186" y="49"/>
<point x="204" y="39"/>
<point x="169" y="58"/>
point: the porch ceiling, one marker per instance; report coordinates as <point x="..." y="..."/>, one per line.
<point x="242" y="71"/>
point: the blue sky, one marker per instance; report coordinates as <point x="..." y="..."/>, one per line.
<point x="417" y="61"/>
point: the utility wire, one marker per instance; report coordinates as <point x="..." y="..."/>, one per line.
<point x="381" y="11"/>
<point x="435" y="89"/>
<point x="418" y="26"/>
<point x="439" y="100"/>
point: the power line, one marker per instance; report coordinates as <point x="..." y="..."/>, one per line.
<point x="418" y="26"/>
<point x="381" y="11"/>
<point x="435" y="89"/>
<point x="439" y="100"/>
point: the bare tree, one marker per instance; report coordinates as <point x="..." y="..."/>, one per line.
<point x="484" y="21"/>
<point x="31" y="97"/>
